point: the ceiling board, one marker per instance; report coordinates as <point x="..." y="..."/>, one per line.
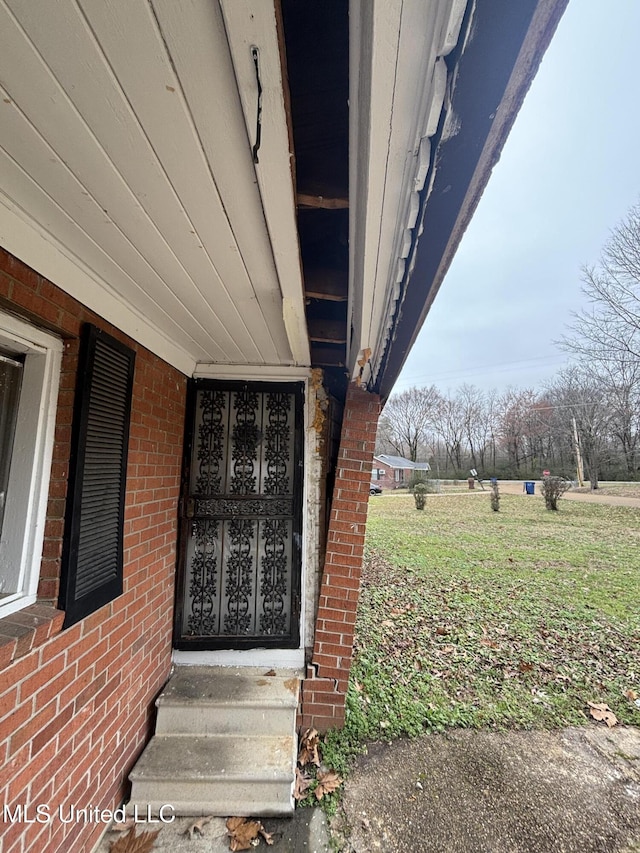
<point x="126" y="148"/>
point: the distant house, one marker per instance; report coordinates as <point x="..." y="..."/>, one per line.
<point x="393" y="472"/>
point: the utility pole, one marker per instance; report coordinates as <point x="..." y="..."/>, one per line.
<point x="578" y="454"/>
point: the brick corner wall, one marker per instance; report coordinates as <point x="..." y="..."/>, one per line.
<point x="325" y="687"/>
<point x="76" y="704"/>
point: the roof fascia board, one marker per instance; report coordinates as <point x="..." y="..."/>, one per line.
<point x="485" y="102"/>
<point x="396" y="54"/>
<point x="373" y="44"/>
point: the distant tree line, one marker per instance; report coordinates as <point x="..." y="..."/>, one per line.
<point x="591" y="410"/>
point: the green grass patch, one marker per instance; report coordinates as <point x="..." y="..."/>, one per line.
<point x="472" y="618"/>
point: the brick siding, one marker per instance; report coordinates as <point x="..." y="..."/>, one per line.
<point x="324" y="689"/>
<point x="388" y="480"/>
<point x="76" y="705"/>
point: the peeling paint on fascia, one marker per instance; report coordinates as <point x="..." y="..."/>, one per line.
<point x="451" y="127"/>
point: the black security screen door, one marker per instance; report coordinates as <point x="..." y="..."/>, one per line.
<point x="240" y="557"/>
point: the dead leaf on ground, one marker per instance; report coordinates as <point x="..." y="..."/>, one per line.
<point x="303" y="781"/>
<point x="490" y="644"/>
<point x="631" y="695"/>
<point x="523" y="666"/>
<point x="268" y="836"/>
<point x="242" y="832"/>
<point x="603" y="713"/>
<point x="197" y="826"/>
<point x="442" y="631"/>
<point x="132" y="843"/>
<point x="327" y="782"/>
<point x="308" y="751"/>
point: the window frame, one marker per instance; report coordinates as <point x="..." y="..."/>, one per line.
<point x="22" y="536"/>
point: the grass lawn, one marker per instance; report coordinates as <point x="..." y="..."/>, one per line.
<point x="513" y="619"/>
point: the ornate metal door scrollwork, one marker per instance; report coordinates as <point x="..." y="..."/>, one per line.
<point x="240" y="583"/>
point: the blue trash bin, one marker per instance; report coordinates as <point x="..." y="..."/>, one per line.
<point x="530" y="487"/>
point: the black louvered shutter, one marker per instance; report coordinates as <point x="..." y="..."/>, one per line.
<point x="92" y="552"/>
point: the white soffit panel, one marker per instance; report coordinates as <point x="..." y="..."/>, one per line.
<point x="124" y="153"/>
<point x="22" y="239"/>
<point x="253" y="39"/>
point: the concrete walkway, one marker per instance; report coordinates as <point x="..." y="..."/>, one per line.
<point x="305" y="832"/>
<point x="594" y="497"/>
<point x="573" y="791"/>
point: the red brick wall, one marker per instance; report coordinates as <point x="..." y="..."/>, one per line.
<point x="387" y="481"/>
<point x="324" y="689"/>
<point x="75" y="705"/>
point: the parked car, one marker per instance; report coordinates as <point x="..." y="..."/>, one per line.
<point x="374" y="489"/>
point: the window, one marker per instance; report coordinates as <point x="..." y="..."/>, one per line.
<point x="398" y="475"/>
<point x="92" y="551"/>
<point x="10" y="381"/>
<point x="29" y="376"/>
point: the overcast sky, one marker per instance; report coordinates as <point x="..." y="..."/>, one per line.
<point x="568" y="173"/>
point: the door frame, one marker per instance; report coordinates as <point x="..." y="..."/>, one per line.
<point x="298" y="389"/>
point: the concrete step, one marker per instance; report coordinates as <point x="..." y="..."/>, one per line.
<point x="216" y="775"/>
<point x="223" y="700"/>
<point x="225" y="744"/>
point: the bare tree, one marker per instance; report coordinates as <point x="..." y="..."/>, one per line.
<point x="605" y="339"/>
<point x="610" y="329"/>
<point x="579" y="396"/>
<point x="448" y="424"/>
<point x="405" y="420"/>
<point x="620" y="381"/>
<point x="472" y="404"/>
<point x="520" y="427"/>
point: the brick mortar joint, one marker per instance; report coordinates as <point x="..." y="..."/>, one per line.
<point x="13" y="630"/>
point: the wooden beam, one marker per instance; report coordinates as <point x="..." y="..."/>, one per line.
<point x="323" y="202"/>
<point x="327" y="331"/>
<point x="329" y="284"/>
<point x="327" y="356"/>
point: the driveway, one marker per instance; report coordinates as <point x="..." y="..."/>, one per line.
<point x="516" y="487"/>
<point x="571" y="791"/>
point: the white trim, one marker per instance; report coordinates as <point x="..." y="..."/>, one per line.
<point x="271" y="658"/>
<point x="251" y="25"/>
<point x="27" y="242"/>
<point x="27" y="493"/>
<point x="251" y="372"/>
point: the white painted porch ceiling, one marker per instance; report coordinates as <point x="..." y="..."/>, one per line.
<point x="126" y="171"/>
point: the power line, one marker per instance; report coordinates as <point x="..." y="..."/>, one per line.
<point x="496" y="367"/>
